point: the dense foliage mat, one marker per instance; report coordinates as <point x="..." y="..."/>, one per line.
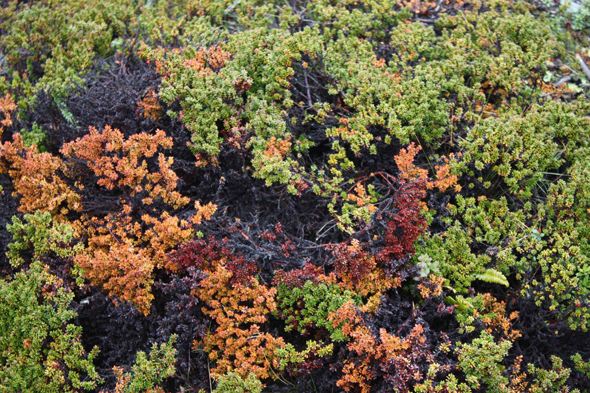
<point x="294" y="196"/>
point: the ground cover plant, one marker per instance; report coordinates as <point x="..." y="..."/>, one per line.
<point x="294" y="196"/>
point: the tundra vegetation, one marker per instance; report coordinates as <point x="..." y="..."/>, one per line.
<point x="294" y="196"/>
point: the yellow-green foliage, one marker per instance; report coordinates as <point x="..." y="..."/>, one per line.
<point x="428" y="79"/>
<point x="308" y="306"/>
<point x="40" y="351"/>
<point x="209" y="91"/>
<point x="382" y="79"/>
<point x="35" y="136"/>
<point x="478" y="224"/>
<point x="551" y="381"/>
<point x="545" y="244"/>
<point x="50" y="44"/>
<point x="457" y="262"/>
<point x="148" y="373"/>
<point x="232" y="382"/>
<point x="558" y="263"/>
<point x="40" y="235"/>
<point x="178" y="23"/>
<point x="522" y="144"/>
<point x="581" y="365"/>
<point x="290" y="357"/>
<point x="481" y="363"/>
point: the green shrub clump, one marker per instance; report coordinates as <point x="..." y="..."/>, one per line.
<point x="40" y="350"/>
<point x="310" y="305"/>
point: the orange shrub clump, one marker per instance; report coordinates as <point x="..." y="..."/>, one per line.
<point x="150" y="106"/>
<point x="206" y="60"/>
<point x="7" y="106"/>
<point x="405" y="163"/>
<point x="122" y="254"/>
<point x="432" y="287"/>
<point x="393" y="357"/>
<point x="122" y="167"/>
<point x="240" y="310"/>
<point x="36" y="179"/>
<point x="408" y="171"/>
<point x="125" y="247"/>
<point x="495" y="319"/>
<point x="357" y="270"/>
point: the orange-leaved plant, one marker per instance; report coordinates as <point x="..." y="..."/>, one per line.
<point x="239" y="305"/>
<point x="37" y="179"/>
<point x="124" y="247"/>
<point x="7" y="106"/>
<point x="396" y="359"/>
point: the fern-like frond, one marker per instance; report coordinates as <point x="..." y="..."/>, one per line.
<point x="493" y="276"/>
